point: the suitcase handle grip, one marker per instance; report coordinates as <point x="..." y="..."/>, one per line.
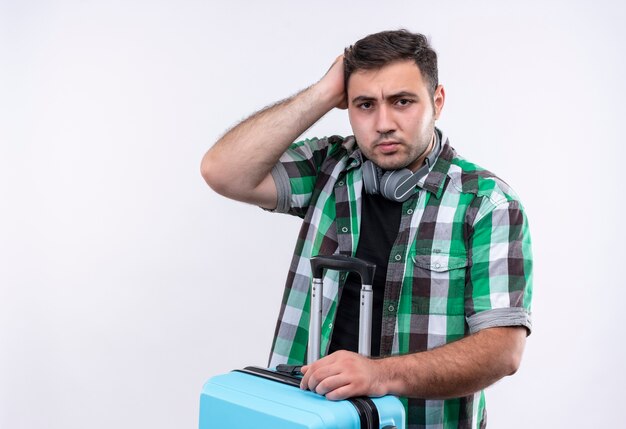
<point x="343" y="263"/>
<point x="340" y="263"/>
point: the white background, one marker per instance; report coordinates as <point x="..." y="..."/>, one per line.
<point x="125" y="282"/>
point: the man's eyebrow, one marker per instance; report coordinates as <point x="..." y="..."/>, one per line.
<point x="363" y="98"/>
<point x="402" y="94"/>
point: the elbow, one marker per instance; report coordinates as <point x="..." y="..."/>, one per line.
<point x="509" y="343"/>
<point x="225" y="177"/>
<point x="222" y="178"/>
<point x="210" y="171"/>
<point x="205" y="170"/>
<point x="513" y="363"/>
<point x="515" y="350"/>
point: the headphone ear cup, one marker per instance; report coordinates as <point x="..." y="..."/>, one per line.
<point x="398" y="185"/>
<point x="371" y="177"/>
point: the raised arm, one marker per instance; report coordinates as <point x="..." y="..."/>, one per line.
<point x="239" y="165"/>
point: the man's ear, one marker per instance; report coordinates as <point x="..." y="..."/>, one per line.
<point x="439" y="99"/>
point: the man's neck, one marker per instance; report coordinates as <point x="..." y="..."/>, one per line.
<point x="419" y="162"/>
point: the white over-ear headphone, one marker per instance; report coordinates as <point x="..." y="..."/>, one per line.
<point x="397" y="185"/>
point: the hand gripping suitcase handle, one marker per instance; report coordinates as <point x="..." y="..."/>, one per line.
<point x="340" y="263"/>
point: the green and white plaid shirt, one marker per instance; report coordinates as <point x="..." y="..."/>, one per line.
<point x="461" y="261"/>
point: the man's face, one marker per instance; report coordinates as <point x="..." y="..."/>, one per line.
<point x="392" y="114"/>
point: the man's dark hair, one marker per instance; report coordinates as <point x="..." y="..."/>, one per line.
<point x="380" y="49"/>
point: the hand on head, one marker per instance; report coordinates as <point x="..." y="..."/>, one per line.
<point x="333" y="82"/>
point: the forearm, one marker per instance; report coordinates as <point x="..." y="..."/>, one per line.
<point x="456" y="369"/>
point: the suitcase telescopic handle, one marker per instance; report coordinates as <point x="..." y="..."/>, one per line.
<point x="343" y="263"/>
<point x="340" y="263"/>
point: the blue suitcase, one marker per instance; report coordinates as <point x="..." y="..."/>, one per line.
<point x="271" y="398"/>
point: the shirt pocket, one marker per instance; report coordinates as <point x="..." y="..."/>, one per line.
<point x="439" y="282"/>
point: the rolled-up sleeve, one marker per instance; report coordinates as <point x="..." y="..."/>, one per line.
<point x="499" y="285"/>
<point x="295" y="174"/>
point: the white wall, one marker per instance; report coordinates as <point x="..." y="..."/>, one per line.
<point x="125" y="282"/>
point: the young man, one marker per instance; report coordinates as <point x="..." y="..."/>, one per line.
<point x="451" y="243"/>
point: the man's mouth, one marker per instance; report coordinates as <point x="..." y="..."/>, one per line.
<point x="387" y="146"/>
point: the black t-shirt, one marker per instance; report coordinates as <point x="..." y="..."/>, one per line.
<point x="380" y="222"/>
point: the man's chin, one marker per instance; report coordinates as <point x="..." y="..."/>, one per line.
<point x="388" y="165"/>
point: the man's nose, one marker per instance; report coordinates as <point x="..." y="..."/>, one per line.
<point x="384" y="121"/>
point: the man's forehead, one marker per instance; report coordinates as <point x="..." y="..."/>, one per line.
<point x="394" y="78"/>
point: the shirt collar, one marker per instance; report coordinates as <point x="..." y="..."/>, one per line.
<point x="435" y="179"/>
<point x="355" y="157"/>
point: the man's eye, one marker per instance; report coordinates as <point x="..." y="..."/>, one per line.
<point x="404" y="102"/>
<point x="365" y="106"/>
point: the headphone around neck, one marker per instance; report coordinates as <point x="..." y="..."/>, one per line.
<point x="397" y="185"/>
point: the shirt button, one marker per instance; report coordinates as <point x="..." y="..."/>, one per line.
<point x="398" y="257"/>
<point x="340" y="183"/>
<point x="409" y="211"/>
<point x="344" y="229"/>
<point x="437" y="265"/>
<point x="391" y="308"/>
<point x="330" y="325"/>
